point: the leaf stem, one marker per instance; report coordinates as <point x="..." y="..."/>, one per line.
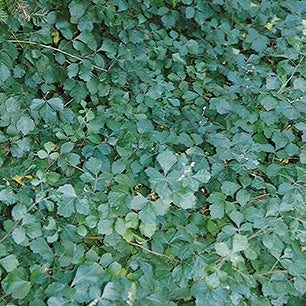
<point x="292" y="74"/>
<point x="54" y="49"/>
<point x="254" y="198"/>
<point x="257" y="233"/>
<point x="152" y="252"/>
<point x="270" y="272"/>
<point x="16" y="224"/>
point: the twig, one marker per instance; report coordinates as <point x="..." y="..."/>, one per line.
<point x="76" y="167"/>
<point x="16" y="38"/>
<point x="255" y="234"/>
<point x="74" y="217"/>
<point x="94" y="238"/>
<point x="152" y="252"/>
<point x="255" y="198"/>
<point x="270" y="272"/>
<point x="5" y="295"/>
<point x="9" y="232"/>
<point x="16" y="224"/>
<point x="52" y="163"/>
<point x="292" y="74"/>
<point x="54" y="49"/>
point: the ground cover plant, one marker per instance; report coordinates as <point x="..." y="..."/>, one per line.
<point x="152" y="152"/>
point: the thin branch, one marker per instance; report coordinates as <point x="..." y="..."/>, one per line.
<point x="257" y="233"/>
<point x="292" y="74"/>
<point x="9" y="232"/>
<point x="16" y="224"/>
<point x="255" y="198"/>
<point x="152" y="252"/>
<point x="5" y="295"/>
<point x="94" y="238"/>
<point x="49" y="166"/>
<point x="76" y="167"/>
<point x="74" y="217"/>
<point x="54" y="49"/>
<point x="270" y="272"/>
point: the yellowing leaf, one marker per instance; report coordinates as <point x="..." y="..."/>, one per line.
<point x="29" y="177"/>
<point x="254" y="5"/>
<point x="56" y="36"/>
<point x="244" y="35"/>
<point x="18" y="179"/>
<point x="304" y="249"/>
<point x="122" y="272"/>
<point x="154" y="196"/>
<point x="269" y="25"/>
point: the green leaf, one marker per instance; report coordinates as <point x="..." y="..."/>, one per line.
<point x="229" y="188"/>
<point x="131" y="220"/>
<point x="189" y="96"/>
<point x="222" y="249"/>
<point x="299" y="83"/>
<point x="76" y="9"/>
<point x="190" y="11"/>
<point x="93" y="165"/>
<point x="67" y="147"/>
<point x="18" y="235"/>
<point x="49" y="146"/>
<point x="89" y="39"/>
<point x="120" y="226"/>
<point x="240" y="243"/>
<point x="40" y="246"/>
<point x="136" y="36"/>
<point x="86" y="274"/>
<point x="269" y="103"/>
<point x="300" y="284"/>
<point x="25" y="125"/>
<point x="303" y="157"/>
<point x="7" y="196"/>
<point x="166" y="159"/>
<point x="212" y="281"/>
<point x="67" y="190"/>
<point x="4" y="72"/>
<point x="9" y="263"/>
<point x="82" y="206"/>
<point x="105" y="227"/>
<point x="145" y="126"/>
<point x="73" y="70"/>
<point x="42" y="154"/>
<point x="221" y="105"/>
<point x="184" y="200"/>
<point x="147" y="229"/>
<point x="237" y="217"/>
<point x="217" y="208"/>
<point x="138" y="202"/>
<point x="242" y="197"/>
<point x="16" y="286"/>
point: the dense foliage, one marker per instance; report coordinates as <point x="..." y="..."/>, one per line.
<point x="152" y="152"/>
